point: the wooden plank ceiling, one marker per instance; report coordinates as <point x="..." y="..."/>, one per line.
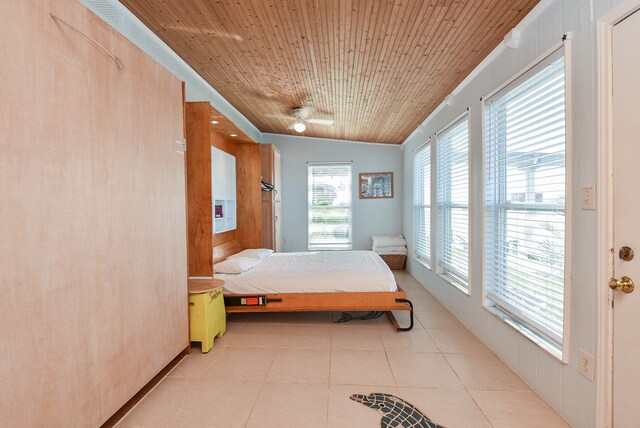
<point x="377" y="67"/>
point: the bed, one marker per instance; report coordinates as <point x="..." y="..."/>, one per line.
<point x="316" y="281"/>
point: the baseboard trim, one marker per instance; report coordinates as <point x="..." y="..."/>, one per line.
<point x="122" y="411"/>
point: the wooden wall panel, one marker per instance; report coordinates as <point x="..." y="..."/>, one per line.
<point x="92" y="250"/>
<point x="199" y="189"/>
<point x="138" y="188"/>
<point x="225" y="237"/>
<point x="222" y="142"/>
<point x="248" y="193"/>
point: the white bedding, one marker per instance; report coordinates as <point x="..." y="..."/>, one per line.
<point x="313" y="272"/>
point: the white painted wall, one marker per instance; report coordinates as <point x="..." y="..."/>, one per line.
<point x="559" y="384"/>
<point x="370" y="217"/>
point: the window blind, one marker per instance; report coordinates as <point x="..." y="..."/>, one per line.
<point x="453" y="202"/>
<point x="329" y="206"/>
<point x="525" y="199"/>
<point x="422" y="202"/>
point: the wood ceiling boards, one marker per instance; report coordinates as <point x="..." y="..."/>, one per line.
<point x="378" y="68"/>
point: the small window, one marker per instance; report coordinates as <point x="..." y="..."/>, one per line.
<point x="422" y="203"/>
<point x="525" y="195"/>
<point x="453" y="203"/>
<point x="329" y="206"/>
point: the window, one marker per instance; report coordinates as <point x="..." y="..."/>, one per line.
<point x="329" y="190"/>
<point x="453" y="202"/>
<point x="525" y="202"/>
<point x="422" y="202"/>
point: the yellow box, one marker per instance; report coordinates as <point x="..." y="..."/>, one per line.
<point x="207" y="317"/>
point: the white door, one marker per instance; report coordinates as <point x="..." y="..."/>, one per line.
<point x="626" y="206"/>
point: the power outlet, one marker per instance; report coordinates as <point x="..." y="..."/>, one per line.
<point x="587" y="364"/>
<point x="588" y="198"/>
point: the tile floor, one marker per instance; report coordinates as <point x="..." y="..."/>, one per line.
<point x="298" y="370"/>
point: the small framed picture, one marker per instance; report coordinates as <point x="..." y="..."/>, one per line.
<point x="376" y="185"/>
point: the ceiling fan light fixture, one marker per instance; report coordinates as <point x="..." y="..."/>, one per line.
<point x="299" y="127"/>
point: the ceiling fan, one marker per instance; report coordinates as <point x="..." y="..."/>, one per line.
<point x="301" y="117"/>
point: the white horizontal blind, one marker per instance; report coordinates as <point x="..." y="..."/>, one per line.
<point x="422" y="202"/>
<point x="525" y="199"/>
<point x="453" y="202"/>
<point x="329" y="206"/>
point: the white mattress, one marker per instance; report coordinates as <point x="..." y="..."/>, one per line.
<point x="313" y="272"/>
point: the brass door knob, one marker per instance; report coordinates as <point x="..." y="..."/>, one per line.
<point x="624" y="284"/>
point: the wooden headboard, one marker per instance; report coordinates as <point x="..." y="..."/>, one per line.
<point x="222" y="251"/>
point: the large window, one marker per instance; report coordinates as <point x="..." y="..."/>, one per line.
<point x="525" y="197"/>
<point x="329" y="190"/>
<point x="452" y="199"/>
<point x="422" y="203"/>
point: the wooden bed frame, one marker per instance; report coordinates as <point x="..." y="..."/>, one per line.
<point x="315" y="302"/>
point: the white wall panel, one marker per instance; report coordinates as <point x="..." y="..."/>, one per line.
<point x="370" y="216"/>
<point x="559" y="384"/>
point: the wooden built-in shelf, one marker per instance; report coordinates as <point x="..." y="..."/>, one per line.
<point x="202" y="135"/>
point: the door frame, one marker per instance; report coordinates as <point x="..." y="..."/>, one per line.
<point x="604" y="204"/>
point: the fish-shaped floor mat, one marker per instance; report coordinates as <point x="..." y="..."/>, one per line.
<point x="395" y="411"/>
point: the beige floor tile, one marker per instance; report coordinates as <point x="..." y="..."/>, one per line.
<point x="422" y="369"/>
<point x="239" y="363"/>
<point x="292" y="405"/>
<point x="307" y="336"/>
<point x="416" y="340"/>
<point x="272" y="370"/>
<point x="344" y="337"/>
<point x="300" y="365"/>
<point x="269" y="317"/>
<point x="232" y="328"/>
<point x="419" y="294"/>
<point x="196" y="365"/>
<point x="257" y="335"/>
<point x="216" y="403"/>
<point x="158" y="406"/>
<point x="315" y="318"/>
<point x="405" y="279"/>
<point x="452" y="408"/>
<point x="480" y="371"/>
<point x="237" y="318"/>
<point x="517" y="409"/>
<point x="404" y="319"/>
<point x="346" y="413"/>
<point x="457" y="341"/>
<point x="438" y="319"/>
<point x="427" y="304"/>
<point x="360" y="368"/>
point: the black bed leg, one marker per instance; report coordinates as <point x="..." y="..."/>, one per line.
<point x="410" y="314"/>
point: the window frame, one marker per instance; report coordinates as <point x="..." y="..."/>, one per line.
<point x="423" y="258"/>
<point x="336" y="247"/>
<point x="561" y="352"/>
<point x="443" y="269"/>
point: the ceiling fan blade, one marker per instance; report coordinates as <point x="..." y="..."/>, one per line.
<point x="325" y="122"/>
<point x="279" y="116"/>
<point x="306" y="111"/>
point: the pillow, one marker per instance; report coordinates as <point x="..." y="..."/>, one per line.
<point x="255" y="253"/>
<point x="236" y="265"/>
<point x="388" y="241"/>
